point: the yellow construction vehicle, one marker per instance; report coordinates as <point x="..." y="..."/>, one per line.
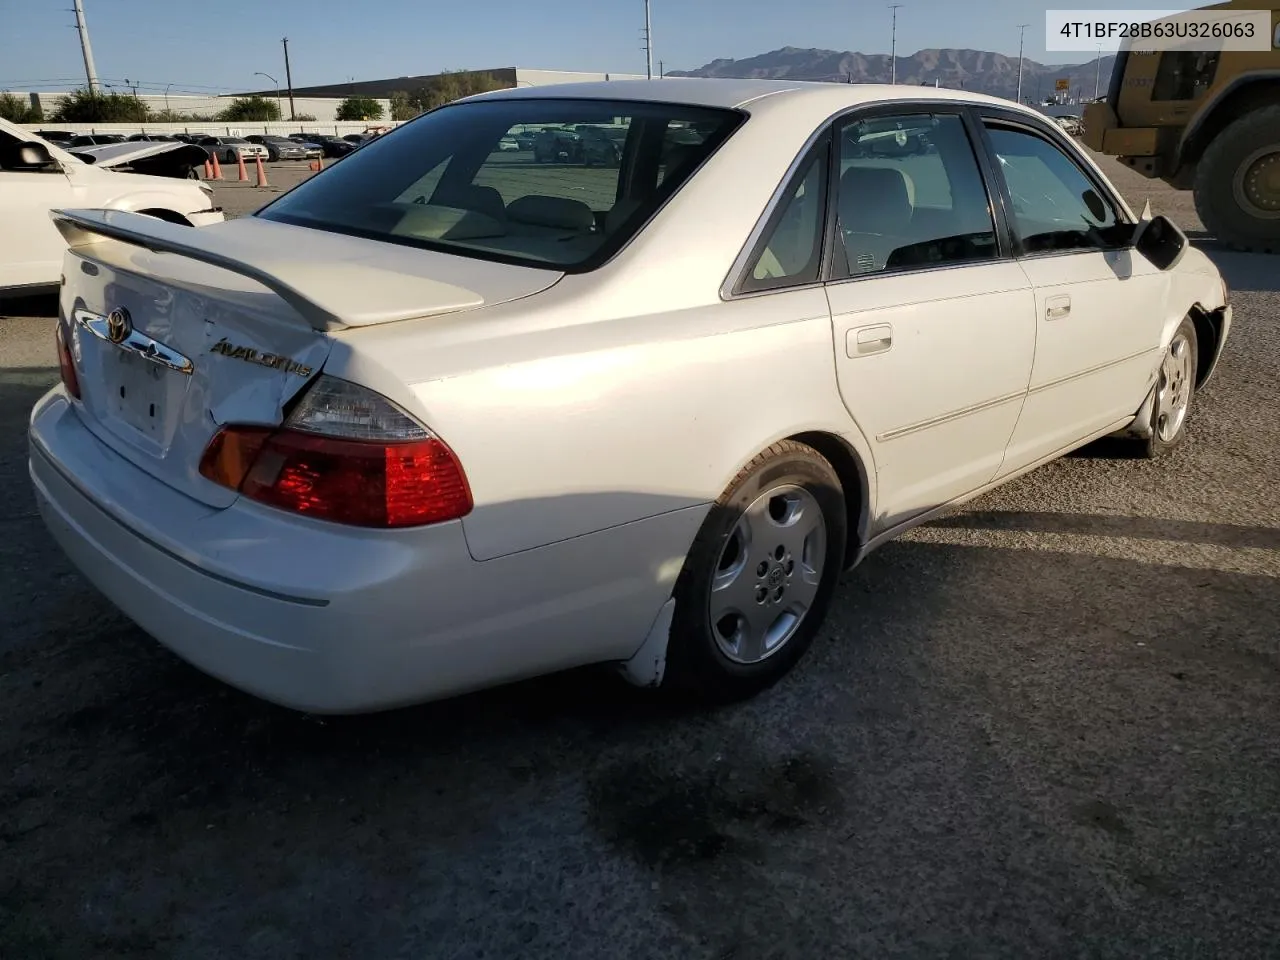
<point x="1204" y="121"/>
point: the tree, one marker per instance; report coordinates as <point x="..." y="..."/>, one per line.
<point x="304" y="116"/>
<point x="455" y="84"/>
<point x="85" y="106"/>
<point x="250" y="108"/>
<point x="17" y="110"/>
<point x="403" y="105"/>
<point x="359" y="108"/>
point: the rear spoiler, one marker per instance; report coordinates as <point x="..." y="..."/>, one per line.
<point x="330" y="295"/>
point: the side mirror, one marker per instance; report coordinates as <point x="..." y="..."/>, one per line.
<point x="1161" y="242"/>
<point x="34" y="155"/>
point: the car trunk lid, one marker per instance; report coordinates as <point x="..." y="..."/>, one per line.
<point x="176" y="331"/>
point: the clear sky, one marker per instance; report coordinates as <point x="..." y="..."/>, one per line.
<point x="216" y="46"/>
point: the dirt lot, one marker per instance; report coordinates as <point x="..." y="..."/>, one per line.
<point x="1045" y="726"/>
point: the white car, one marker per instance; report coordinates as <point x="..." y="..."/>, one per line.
<point x="37" y="176"/>
<point x="434" y="421"/>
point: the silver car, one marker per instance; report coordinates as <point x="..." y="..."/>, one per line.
<point x="280" y="148"/>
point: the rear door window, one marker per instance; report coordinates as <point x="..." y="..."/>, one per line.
<point x="911" y="195"/>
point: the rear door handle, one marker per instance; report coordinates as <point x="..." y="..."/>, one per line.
<point x="1057" y="307"/>
<point x="868" y="340"/>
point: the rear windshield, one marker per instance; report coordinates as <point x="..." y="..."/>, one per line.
<point x="452" y="181"/>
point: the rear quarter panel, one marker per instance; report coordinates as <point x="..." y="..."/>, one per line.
<point x="577" y="428"/>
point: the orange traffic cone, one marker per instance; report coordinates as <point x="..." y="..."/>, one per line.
<point x="208" y="169"/>
<point x="319" y="163"/>
<point x="262" y="174"/>
<point x="244" y="174"/>
<point x="312" y="166"/>
<point x="217" y="170"/>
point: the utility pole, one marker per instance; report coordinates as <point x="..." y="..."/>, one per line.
<point x="1097" y="76"/>
<point x="1022" y="29"/>
<point x="288" y="78"/>
<point x="90" y="72"/>
<point x="662" y="71"/>
<point x="648" y="42"/>
<point x="893" y="45"/>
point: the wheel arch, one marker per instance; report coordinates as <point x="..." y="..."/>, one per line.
<point x="169" y="216"/>
<point x="855" y="483"/>
<point x="1209" y="329"/>
<point x="1246" y="93"/>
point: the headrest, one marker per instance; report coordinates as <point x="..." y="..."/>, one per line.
<point x="875" y="199"/>
<point x="552" y="212"/>
<point x="472" y="196"/>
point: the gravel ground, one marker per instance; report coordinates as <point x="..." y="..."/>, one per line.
<point x="1044" y="726"/>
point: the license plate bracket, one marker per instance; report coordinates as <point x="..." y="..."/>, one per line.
<point x="138" y="393"/>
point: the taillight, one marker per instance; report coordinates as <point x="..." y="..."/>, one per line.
<point x="65" y="365"/>
<point x="345" y="454"/>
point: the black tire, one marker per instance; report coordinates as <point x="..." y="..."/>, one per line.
<point x="1215" y="198"/>
<point x="697" y="666"/>
<point x="1156" y="446"/>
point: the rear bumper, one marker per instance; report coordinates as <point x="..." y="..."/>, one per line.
<point x="329" y="619"/>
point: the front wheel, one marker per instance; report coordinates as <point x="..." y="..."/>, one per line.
<point x="1175" y="388"/>
<point x="230" y="158"/>
<point x="758" y="579"/>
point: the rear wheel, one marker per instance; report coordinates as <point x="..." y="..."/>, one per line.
<point x="758" y="579"/>
<point x="1237" y="184"/>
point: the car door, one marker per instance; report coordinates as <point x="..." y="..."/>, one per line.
<point x="934" y="322"/>
<point x="1100" y="305"/>
<point x="30" y="246"/>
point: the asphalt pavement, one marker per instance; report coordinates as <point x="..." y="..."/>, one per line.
<point x="1044" y="726"/>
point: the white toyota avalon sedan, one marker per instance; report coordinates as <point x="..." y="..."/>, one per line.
<point x="443" y="417"/>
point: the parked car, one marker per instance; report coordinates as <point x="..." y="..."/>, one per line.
<point x="598" y="146"/>
<point x="557" y="145"/>
<point x="1071" y="125"/>
<point x="151" y="138"/>
<point x="478" y="427"/>
<point x="279" y="148"/>
<point x="508" y="145"/>
<point x="229" y="149"/>
<point x="60" y="137"/>
<point x="95" y="140"/>
<point x="332" y="146"/>
<point x="36" y="175"/>
<point x="311" y="148"/>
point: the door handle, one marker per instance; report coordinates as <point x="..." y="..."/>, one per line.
<point x="868" y="340"/>
<point x="1057" y="307"/>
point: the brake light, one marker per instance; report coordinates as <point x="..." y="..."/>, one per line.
<point x="347" y="455"/>
<point x="65" y="365"/>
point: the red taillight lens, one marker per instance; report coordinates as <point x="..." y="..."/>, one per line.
<point x="65" y="365"/>
<point x="363" y="482"/>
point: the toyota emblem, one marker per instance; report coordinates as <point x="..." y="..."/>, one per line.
<point x="118" y="325"/>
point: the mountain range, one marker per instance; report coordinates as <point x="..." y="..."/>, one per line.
<point x="977" y="70"/>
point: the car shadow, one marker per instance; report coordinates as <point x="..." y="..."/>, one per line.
<point x="43" y="304"/>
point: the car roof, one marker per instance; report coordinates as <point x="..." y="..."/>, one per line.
<point x="729" y="93"/>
